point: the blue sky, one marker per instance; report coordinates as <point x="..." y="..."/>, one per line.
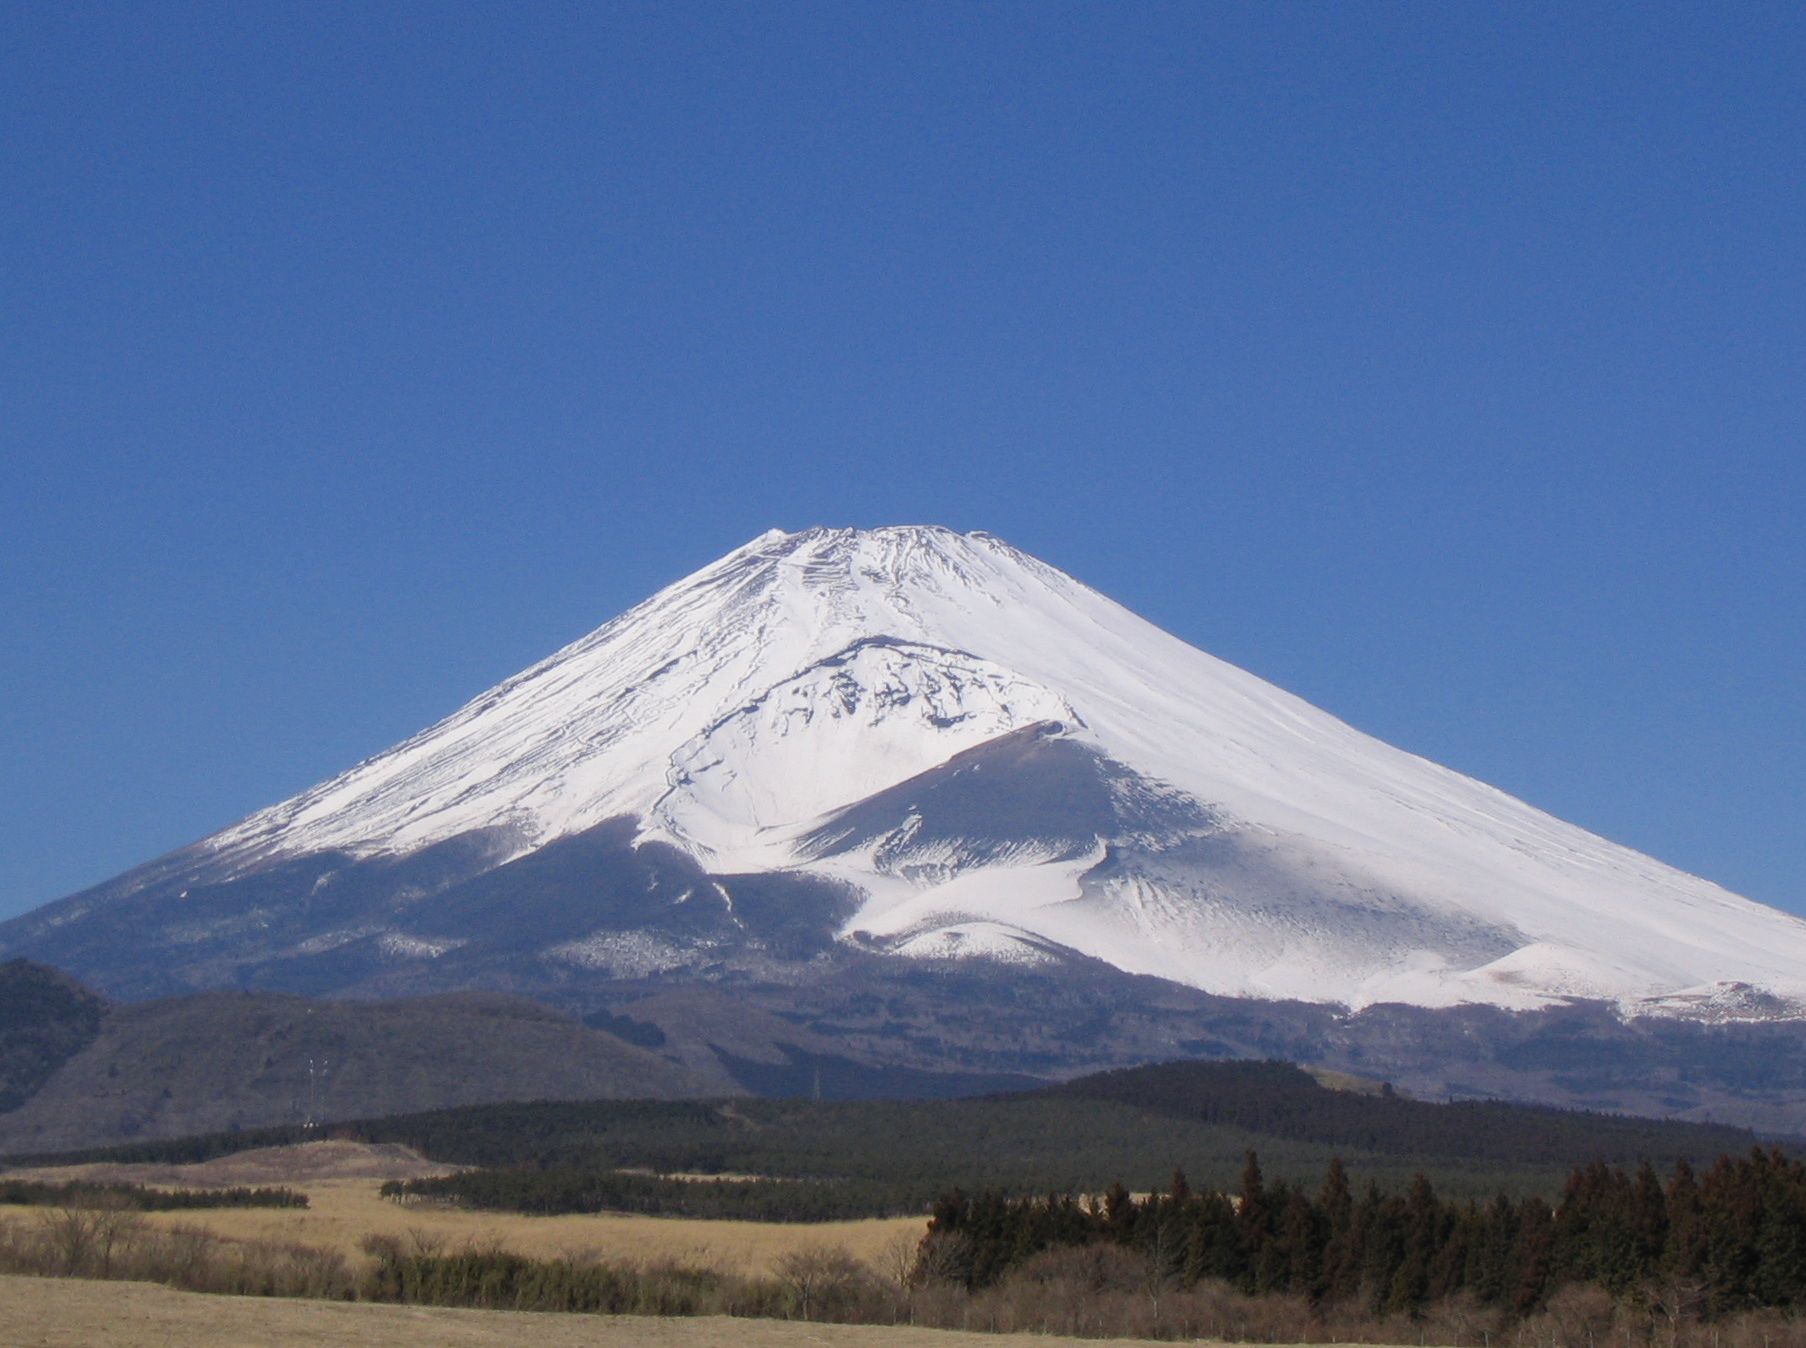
<point x="1443" y="364"/>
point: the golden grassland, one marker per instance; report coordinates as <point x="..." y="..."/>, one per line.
<point x="72" y="1313"/>
<point x="341" y="1180"/>
<point x="342" y="1213"/>
<point x="301" y="1296"/>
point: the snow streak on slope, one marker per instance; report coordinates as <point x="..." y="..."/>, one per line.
<point x="741" y="710"/>
<point x="846" y="727"/>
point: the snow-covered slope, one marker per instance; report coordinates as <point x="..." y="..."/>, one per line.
<point x="1008" y="765"/>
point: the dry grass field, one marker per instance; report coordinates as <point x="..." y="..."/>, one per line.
<point x="70" y="1313"/>
<point x="341" y="1180"/>
<point x="343" y="1212"/>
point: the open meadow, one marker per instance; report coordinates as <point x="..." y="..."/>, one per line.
<point x="341" y="1180"/>
<point x="74" y="1313"/>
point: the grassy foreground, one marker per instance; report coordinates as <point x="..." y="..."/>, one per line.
<point x="74" y="1313"/>
<point x="428" y="1273"/>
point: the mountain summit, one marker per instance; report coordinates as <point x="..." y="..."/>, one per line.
<point x="911" y="744"/>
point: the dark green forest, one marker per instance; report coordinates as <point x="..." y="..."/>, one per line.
<point x="1730" y="1239"/>
<point x="139" y="1198"/>
<point x="1277" y="1099"/>
<point x="559" y="1189"/>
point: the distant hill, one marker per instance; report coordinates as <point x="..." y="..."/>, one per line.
<point x="1278" y="1100"/>
<point x="46" y="1018"/>
<point x="79" y="1073"/>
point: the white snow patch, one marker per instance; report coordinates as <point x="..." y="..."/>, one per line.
<point x="399" y="945"/>
<point x="976" y="940"/>
<point x="631" y="954"/>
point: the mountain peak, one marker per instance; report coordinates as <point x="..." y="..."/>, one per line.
<point x="1000" y="763"/>
<point x="890" y="547"/>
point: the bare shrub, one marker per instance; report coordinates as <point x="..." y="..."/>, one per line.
<point x="667" y="1287"/>
<point x="116" y="1225"/>
<point x="821" y="1283"/>
<point x="21" y="1249"/>
<point x="1075" y="1289"/>
<point x="1462" y="1321"/>
<point x="1093" y="1268"/>
<point x="1672" y="1301"/>
<point x="1762" y="1329"/>
<point x="422" y="1241"/>
<point x="944" y="1257"/>
<point x="84" y="1242"/>
<point x="1578" y="1316"/>
<point x="897" y="1262"/>
<point x="258" y="1268"/>
<point x="183" y="1257"/>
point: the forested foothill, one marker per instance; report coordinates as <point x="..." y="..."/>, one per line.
<point x="1277" y="1099"/>
<point x="849" y="1157"/>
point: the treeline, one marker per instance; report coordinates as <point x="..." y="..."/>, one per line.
<point x="1732" y="1239"/>
<point x="1278" y="1099"/>
<point x="546" y="1192"/>
<point x="139" y="1198"/>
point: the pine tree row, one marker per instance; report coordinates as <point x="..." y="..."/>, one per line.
<point x="1731" y="1239"/>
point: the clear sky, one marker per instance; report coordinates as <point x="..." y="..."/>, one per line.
<point x="1444" y="364"/>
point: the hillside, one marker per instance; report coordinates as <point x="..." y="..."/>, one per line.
<point x="242" y="1060"/>
<point x="46" y="1018"/>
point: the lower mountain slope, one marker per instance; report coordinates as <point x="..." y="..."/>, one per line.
<point x="46" y="1018"/>
<point x="89" y="1073"/>
<point x="237" y="1060"/>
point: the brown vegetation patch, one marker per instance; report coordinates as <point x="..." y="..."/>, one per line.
<point x="343" y="1213"/>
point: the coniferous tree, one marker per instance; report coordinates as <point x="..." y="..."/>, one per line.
<point x="1648" y="1226"/>
<point x="1533" y="1257"/>
<point x="1254" y="1220"/>
<point x="1418" y="1238"/>
<point x="1341" y="1271"/>
<point x="1780" y="1273"/>
<point x="1684" y="1253"/>
<point x="1731" y="1204"/>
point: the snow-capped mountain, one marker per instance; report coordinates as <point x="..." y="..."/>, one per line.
<point x="928" y="746"/>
